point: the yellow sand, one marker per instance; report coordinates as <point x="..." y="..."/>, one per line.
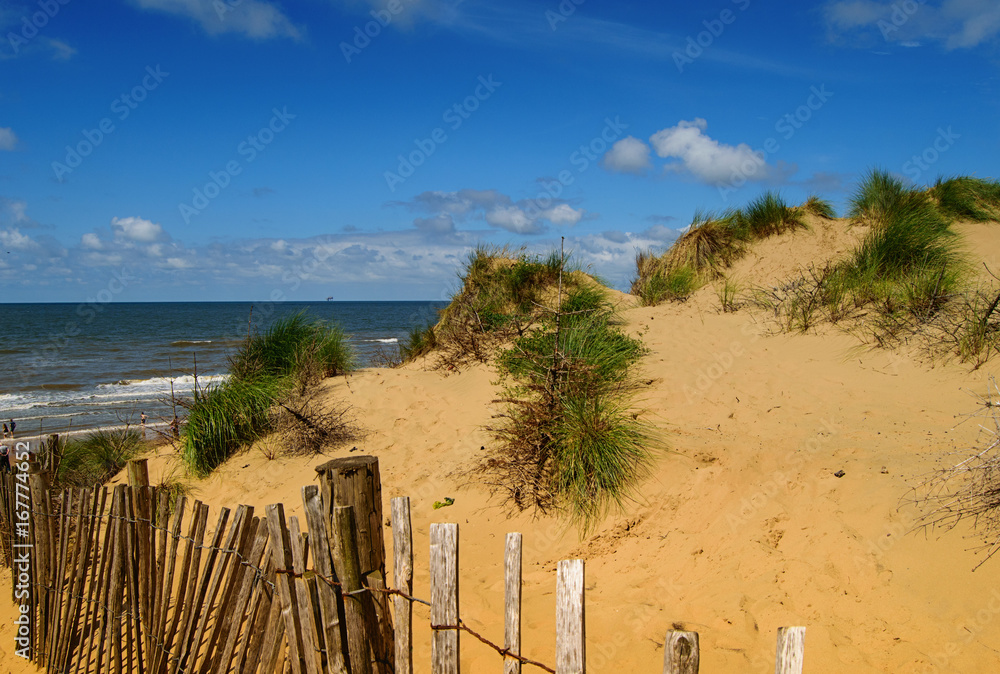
<point x="741" y="528"/>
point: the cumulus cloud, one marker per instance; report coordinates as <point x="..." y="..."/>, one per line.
<point x="137" y="229"/>
<point x="704" y="157"/>
<point x="957" y="24"/>
<point x="8" y="139"/>
<point x="498" y="210"/>
<point x="438" y="224"/>
<point x="256" y="19"/>
<point x="629" y="155"/>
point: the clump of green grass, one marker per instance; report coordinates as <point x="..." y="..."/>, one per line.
<point x="420" y="341"/>
<point x="728" y="292"/>
<point x="269" y="369"/>
<point x="903" y="274"/>
<point x="661" y="285"/>
<point x="767" y="215"/>
<point x="504" y="294"/>
<point x="819" y="207"/>
<point x="711" y="244"/>
<point x="567" y="436"/>
<point x="967" y="198"/>
<point x="97" y="457"/>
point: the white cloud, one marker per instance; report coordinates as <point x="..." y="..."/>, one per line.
<point x="563" y="214"/>
<point x="91" y="241"/>
<point x="13" y="239"/>
<point x="513" y="219"/>
<point x="136" y="229"/>
<point x="439" y="224"/>
<point x="704" y="157"/>
<point x="526" y="216"/>
<point x="254" y="18"/>
<point x="629" y="155"/>
<point x="957" y="24"/>
<point x="8" y="139"/>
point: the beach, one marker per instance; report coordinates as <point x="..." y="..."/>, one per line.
<point x="780" y="497"/>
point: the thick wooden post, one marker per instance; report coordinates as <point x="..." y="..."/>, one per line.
<point x="571" y="656"/>
<point x="790" y="651"/>
<point x="402" y="546"/>
<point x="444" y="599"/>
<point x="681" y="653"/>
<point x="512" y="602"/>
<point x="355" y="481"/>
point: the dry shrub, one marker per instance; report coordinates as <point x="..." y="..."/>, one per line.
<point x="306" y="426"/>
<point x="969" y="489"/>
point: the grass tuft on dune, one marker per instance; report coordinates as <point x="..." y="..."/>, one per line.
<point x="268" y="370"/>
<point x="712" y="243"/>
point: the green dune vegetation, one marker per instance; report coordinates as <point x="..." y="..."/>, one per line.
<point x="96" y="457"/>
<point x="270" y="389"/>
<point x="713" y="242"/>
<point x="906" y="276"/>
<point x="566" y="435"/>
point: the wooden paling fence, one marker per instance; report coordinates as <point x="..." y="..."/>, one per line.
<point x="128" y="580"/>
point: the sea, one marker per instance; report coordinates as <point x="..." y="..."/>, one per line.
<point x="71" y="368"/>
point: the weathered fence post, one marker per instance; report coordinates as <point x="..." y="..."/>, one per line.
<point x="402" y="569"/>
<point x="355" y="481"/>
<point x="42" y="554"/>
<point x="281" y="551"/>
<point x="571" y="655"/>
<point x="790" y="651"/>
<point x="681" y="653"/>
<point x="444" y="599"/>
<point x="512" y="602"/>
<point x="331" y="607"/>
<point x="346" y="557"/>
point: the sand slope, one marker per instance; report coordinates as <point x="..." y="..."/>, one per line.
<point x="742" y="527"/>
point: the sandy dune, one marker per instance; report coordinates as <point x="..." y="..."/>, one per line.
<point x="743" y="526"/>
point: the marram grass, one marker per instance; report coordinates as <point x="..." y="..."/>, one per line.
<point x="292" y="354"/>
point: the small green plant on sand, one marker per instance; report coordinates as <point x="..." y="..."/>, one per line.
<point x="97" y="457"/>
<point x="567" y="436"/>
<point x="270" y="376"/>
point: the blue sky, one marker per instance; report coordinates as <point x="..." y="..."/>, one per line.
<point x="248" y="149"/>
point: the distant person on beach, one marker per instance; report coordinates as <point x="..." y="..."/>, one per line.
<point x="142" y="418"/>
<point x="5" y="431"/>
<point x="4" y="458"/>
<point x="12" y="424"/>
